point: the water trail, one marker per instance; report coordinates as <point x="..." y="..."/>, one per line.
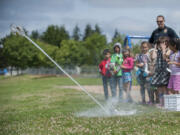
<point x="67" y="74"/>
<point x="19" y="30"/>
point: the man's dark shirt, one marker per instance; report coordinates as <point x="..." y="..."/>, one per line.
<point x="166" y="31"/>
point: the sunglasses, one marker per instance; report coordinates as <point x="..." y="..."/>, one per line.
<point x="159" y="21"/>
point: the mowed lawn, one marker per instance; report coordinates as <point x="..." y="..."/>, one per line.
<point x="31" y="105"/>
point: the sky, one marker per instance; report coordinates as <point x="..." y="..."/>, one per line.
<point x="129" y="17"/>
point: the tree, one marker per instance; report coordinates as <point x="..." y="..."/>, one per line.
<point x="116" y="34"/>
<point x="55" y="35"/>
<point x="71" y="53"/>
<point x="41" y="60"/>
<point x="117" y="37"/>
<point x="76" y="33"/>
<point x="95" y="44"/>
<point x="3" y="62"/>
<point x="97" y="29"/>
<point x="35" y="34"/>
<point x="21" y="54"/>
<point x="18" y="51"/>
<point x="136" y="48"/>
<point x="88" y="31"/>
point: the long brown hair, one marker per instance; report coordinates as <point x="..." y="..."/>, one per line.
<point x="163" y="39"/>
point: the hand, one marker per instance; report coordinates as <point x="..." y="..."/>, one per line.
<point x="163" y="47"/>
<point x="115" y="72"/>
<point x="123" y="67"/>
<point x="140" y="64"/>
<point x="136" y="57"/>
<point x="150" y="74"/>
<point x="153" y="54"/>
<point x="172" y="62"/>
<point x="168" y="60"/>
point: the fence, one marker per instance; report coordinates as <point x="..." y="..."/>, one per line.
<point x="85" y="71"/>
<point x="80" y="71"/>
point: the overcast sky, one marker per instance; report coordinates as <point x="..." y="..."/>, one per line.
<point x="132" y="17"/>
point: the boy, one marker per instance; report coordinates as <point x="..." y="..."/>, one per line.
<point x="105" y="72"/>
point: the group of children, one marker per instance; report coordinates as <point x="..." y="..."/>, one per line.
<point x="157" y="70"/>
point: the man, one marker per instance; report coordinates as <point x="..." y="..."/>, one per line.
<point x="162" y="30"/>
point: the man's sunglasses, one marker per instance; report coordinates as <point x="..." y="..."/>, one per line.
<point x="159" y="21"/>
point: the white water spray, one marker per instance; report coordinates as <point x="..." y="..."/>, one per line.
<point x="114" y="108"/>
<point x="17" y="29"/>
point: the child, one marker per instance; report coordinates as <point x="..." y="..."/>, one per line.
<point x="142" y="61"/>
<point x="127" y="66"/>
<point x="104" y="70"/>
<point x="174" y="81"/>
<point x="160" y="78"/>
<point x="151" y="65"/>
<point x="117" y="60"/>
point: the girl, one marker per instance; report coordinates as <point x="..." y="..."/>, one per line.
<point x="153" y="90"/>
<point x="174" y="62"/>
<point x="142" y="62"/>
<point x="116" y="61"/>
<point x="160" y="78"/>
<point x="127" y="66"/>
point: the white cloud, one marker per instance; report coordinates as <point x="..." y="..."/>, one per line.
<point x="129" y="17"/>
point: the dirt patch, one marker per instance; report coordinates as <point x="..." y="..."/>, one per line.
<point x="135" y="92"/>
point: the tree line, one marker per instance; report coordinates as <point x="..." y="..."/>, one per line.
<point x="68" y="50"/>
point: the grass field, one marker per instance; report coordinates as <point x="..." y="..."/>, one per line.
<point x="31" y="105"/>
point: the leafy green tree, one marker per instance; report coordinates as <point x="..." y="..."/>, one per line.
<point x="3" y="62"/>
<point x="118" y="37"/>
<point x="97" y="29"/>
<point x="55" y="34"/>
<point x="71" y="53"/>
<point x="76" y="33"/>
<point x="136" y="49"/>
<point x="116" y="34"/>
<point x="95" y="44"/>
<point x="88" y="31"/>
<point x="21" y="54"/>
<point x="41" y="60"/>
<point x="35" y="34"/>
<point x="18" y="51"/>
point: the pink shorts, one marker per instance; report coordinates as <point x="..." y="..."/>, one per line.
<point x="174" y="82"/>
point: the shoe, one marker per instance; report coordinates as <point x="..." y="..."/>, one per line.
<point x="142" y="102"/>
<point x="149" y="103"/>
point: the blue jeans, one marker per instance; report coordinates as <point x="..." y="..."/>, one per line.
<point x="107" y="80"/>
<point x="143" y="85"/>
<point x="117" y="80"/>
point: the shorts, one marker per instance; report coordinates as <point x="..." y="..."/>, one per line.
<point x="127" y="77"/>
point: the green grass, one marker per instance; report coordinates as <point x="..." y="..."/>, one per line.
<point x="39" y="106"/>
